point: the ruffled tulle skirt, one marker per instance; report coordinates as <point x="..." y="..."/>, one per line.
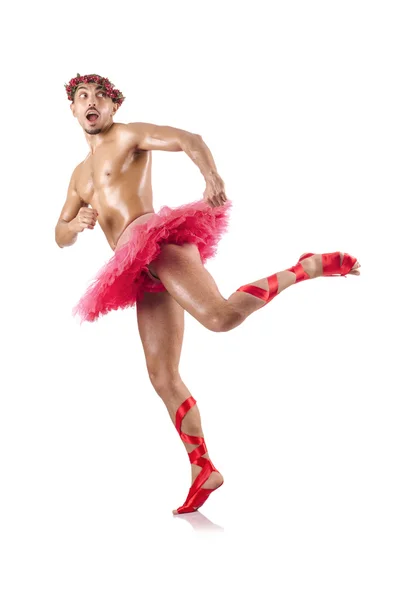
<point x="124" y="278"/>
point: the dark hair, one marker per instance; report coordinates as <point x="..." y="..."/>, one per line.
<point x="71" y="87"/>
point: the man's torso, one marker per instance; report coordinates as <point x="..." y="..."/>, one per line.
<point x="116" y="181"/>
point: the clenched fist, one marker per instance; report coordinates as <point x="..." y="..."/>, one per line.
<point x="86" y="219"/>
<point x="215" y="194"/>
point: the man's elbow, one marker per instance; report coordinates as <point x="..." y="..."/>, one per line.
<point x="191" y="141"/>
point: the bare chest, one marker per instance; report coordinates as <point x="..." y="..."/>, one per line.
<point x="108" y="168"/>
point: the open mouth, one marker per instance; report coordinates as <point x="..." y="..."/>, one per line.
<point x="92" y="117"/>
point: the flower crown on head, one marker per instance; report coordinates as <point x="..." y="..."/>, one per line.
<point x="114" y="94"/>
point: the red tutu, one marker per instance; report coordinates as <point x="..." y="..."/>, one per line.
<point x="124" y="278"/>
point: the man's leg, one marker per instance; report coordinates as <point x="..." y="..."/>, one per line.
<point x="161" y="328"/>
<point x="182" y="273"/>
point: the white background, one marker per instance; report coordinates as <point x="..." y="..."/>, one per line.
<point x="297" y="101"/>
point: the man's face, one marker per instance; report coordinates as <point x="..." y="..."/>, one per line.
<point x="91" y="97"/>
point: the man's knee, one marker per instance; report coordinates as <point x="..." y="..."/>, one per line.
<point x="223" y="319"/>
<point x="163" y="378"/>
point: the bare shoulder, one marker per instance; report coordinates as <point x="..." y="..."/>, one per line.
<point x="137" y="126"/>
<point x="140" y="129"/>
<point x="80" y="171"/>
<point x="77" y="170"/>
<point x="150" y="136"/>
<point x="135" y="130"/>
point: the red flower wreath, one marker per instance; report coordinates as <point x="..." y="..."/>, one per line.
<point x="114" y="94"/>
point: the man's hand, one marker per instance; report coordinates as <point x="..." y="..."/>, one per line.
<point x="86" y="218"/>
<point x="215" y="191"/>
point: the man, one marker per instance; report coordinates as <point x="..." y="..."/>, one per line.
<point x="158" y="264"/>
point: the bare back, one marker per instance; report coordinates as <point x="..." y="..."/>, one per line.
<point x="116" y="181"/>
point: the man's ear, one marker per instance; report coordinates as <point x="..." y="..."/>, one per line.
<point x="115" y="108"/>
<point x="72" y="108"/>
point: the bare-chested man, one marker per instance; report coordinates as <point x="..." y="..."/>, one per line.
<point x="113" y="186"/>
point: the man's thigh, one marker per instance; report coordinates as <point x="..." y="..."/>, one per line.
<point x="161" y="323"/>
<point x="182" y="272"/>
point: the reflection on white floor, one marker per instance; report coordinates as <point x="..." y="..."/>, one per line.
<point x="200" y="522"/>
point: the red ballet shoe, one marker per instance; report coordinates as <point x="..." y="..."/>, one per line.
<point x="197" y="495"/>
<point x="332" y="265"/>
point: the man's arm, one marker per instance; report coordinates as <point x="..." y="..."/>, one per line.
<point x="148" y="136"/>
<point x="74" y="216"/>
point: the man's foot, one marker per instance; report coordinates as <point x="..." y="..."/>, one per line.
<point x="214" y="481"/>
<point x="205" y="476"/>
<point x="309" y="266"/>
<point x="313" y="265"/>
